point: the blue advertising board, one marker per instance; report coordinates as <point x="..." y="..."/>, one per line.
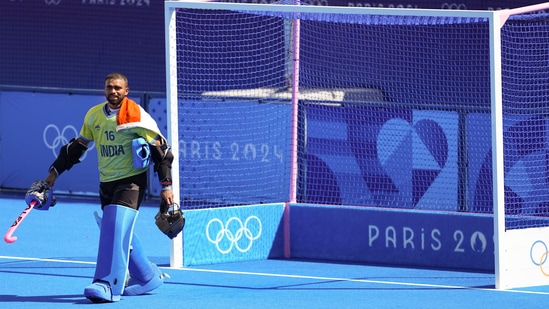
<point x="526" y="139"/>
<point x="385" y="236"/>
<point x="33" y="128"/>
<point x="391" y="157"/>
<point x="234" y="152"/>
<point x="347" y="234"/>
<point x="231" y="234"/>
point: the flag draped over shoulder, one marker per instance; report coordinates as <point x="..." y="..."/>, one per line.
<point x="132" y="115"/>
<point x="130" y="111"/>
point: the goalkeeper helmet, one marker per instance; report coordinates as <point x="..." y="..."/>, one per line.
<point x="170" y="219"/>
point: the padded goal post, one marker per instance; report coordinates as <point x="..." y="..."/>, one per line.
<point x="424" y="110"/>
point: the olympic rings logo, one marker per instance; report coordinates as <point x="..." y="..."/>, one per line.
<point x="454" y="6"/>
<point x="60" y="138"/>
<point x="52" y="2"/>
<point x="233" y="231"/>
<point x="539" y="255"/>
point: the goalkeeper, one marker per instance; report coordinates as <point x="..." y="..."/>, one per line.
<point x="127" y="139"/>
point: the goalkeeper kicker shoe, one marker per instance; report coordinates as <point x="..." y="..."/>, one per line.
<point x="136" y="286"/>
<point x="99" y="292"/>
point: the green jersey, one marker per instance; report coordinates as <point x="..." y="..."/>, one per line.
<point x="114" y="148"/>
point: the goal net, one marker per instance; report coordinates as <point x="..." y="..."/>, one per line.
<point x="392" y="108"/>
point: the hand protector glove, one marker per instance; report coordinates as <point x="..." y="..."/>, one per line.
<point x="170" y="219"/>
<point x="41" y="193"/>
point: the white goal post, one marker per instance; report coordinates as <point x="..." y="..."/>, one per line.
<point x="521" y="250"/>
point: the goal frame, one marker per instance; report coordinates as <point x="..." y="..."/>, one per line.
<point x="505" y="241"/>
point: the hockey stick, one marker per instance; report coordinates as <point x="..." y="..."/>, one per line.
<point x="8" y="237"/>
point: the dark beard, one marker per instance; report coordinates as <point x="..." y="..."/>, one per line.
<point x="115" y="103"/>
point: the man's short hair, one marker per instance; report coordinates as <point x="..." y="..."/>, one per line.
<point x="116" y="75"/>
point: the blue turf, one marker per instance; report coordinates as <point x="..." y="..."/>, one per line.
<point x="53" y="261"/>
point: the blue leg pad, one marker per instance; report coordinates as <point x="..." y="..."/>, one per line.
<point x="113" y="254"/>
<point x="144" y="275"/>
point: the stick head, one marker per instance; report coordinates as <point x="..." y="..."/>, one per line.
<point x="10" y="239"/>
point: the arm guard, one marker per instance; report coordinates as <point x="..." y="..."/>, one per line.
<point x="69" y="155"/>
<point x="162" y="157"/>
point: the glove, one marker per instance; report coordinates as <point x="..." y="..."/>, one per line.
<point x="170" y="219"/>
<point x="41" y="193"/>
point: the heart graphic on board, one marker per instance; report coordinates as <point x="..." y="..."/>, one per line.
<point x="412" y="156"/>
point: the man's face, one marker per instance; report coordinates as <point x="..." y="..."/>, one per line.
<point x="115" y="91"/>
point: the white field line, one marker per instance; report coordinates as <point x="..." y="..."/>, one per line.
<point x="294" y="276"/>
